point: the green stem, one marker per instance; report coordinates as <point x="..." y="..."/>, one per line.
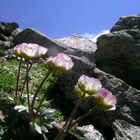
<point x="19" y="68"/>
<point x="35" y="95"/>
<point x="45" y="96"/>
<point x="24" y="83"/>
<point x="83" y="116"/>
<point x="27" y="84"/>
<point x="61" y="135"/>
<point x="76" y="121"/>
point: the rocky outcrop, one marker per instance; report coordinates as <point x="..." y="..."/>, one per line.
<point x="89" y="133"/>
<point x="118" y="52"/>
<point x="125" y="131"/>
<point x="7" y="33"/>
<point x="129" y="22"/>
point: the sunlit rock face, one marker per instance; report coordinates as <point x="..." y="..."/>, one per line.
<point x="118" y="52"/>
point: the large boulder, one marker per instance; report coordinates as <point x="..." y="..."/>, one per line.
<point x="118" y="52"/>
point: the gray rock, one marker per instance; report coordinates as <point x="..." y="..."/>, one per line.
<point x="5" y="44"/>
<point x="129" y="22"/>
<point x="125" y="131"/>
<point x="3" y="38"/>
<point x="7" y="28"/>
<point x="7" y="32"/>
<point x="89" y="133"/>
<point x="118" y="52"/>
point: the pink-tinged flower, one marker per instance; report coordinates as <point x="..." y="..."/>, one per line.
<point x="30" y="51"/>
<point x="106" y="100"/>
<point x="18" y="48"/>
<point x="60" y="62"/>
<point x="89" y="85"/>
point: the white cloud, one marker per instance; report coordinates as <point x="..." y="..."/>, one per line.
<point x="94" y="37"/>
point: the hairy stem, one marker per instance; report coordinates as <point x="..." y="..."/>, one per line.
<point x="61" y="135"/>
<point x="35" y="95"/>
<point x="82" y="117"/>
<point x="76" y="121"/>
<point x="27" y="83"/>
<point x="24" y="83"/>
<point x="50" y="86"/>
<point x="19" y="68"/>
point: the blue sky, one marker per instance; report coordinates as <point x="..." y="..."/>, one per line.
<point x="59" y="18"/>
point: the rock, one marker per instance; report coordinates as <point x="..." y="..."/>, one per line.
<point x="3" y="38"/>
<point x="129" y="22"/>
<point x="118" y="52"/>
<point x="8" y="28"/>
<point x="125" y="131"/>
<point x="4" y="44"/>
<point x="88" y="132"/>
<point x="7" y="32"/>
<point x="56" y="45"/>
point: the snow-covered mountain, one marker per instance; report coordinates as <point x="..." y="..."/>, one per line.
<point x="77" y="42"/>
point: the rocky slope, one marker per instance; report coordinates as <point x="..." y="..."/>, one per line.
<point x="118" y="54"/>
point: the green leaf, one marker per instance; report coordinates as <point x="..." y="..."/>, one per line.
<point x="20" y="108"/>
<point x="44" y="136"/>
<point x="38" y="128"/>
<point x="44" y="129"/>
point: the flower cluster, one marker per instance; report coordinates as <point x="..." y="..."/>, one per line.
<point x="92" y="87"/>
<point x="86" y="87"/>
<point x="54" y="64"/>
